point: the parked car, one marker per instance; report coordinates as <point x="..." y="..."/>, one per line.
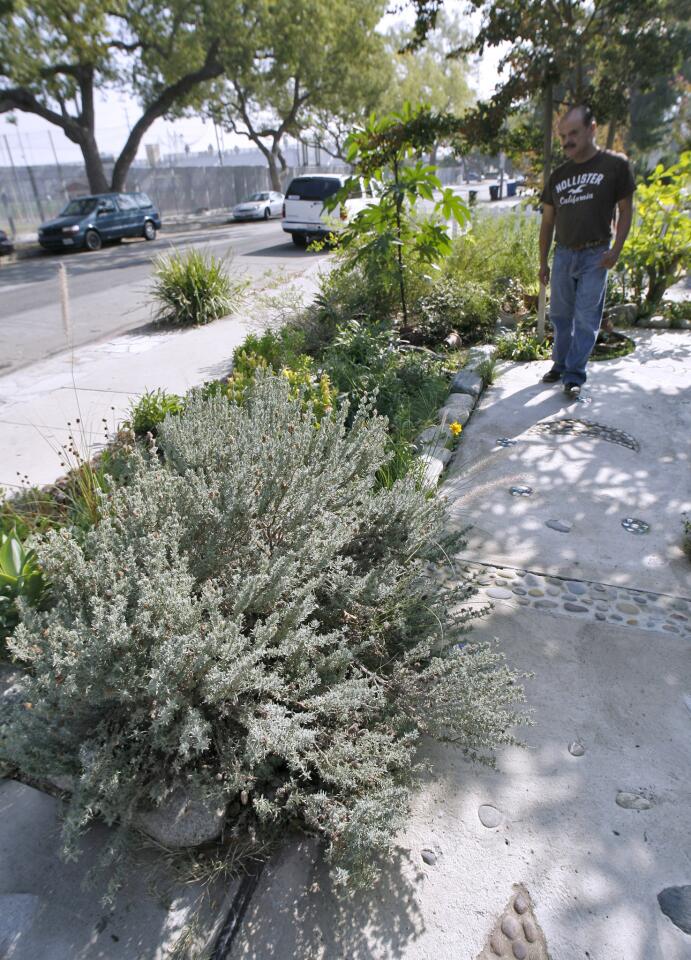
<point x="260" y="206"/>
<point x="92" y="221"/>
<point x="6" y="245"/>
<point x="304" y="216"/>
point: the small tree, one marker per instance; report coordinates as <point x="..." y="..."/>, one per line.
<point x="387" y="238"/>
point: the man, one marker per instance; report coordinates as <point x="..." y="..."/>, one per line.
<point x="579" y="201"/>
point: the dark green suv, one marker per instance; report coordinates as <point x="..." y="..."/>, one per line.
<point x="92" y="221"/>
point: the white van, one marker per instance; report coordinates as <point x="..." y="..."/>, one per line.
<point x="304" y="216"/>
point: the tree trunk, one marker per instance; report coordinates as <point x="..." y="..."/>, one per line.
<point x="272" y="160"/>
<point x="98" y="182"/>
<point x="611" y="133"/>
<point x="547" y="135"/>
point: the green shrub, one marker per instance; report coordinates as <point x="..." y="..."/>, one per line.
<point x="20" y="579"/>
<point x="253" y="620"/>
<point x="523" y="345"/>
<point x="311" y="387"/>
<point x="193" y="288"/>
<point x="657" y="251"/>
<point x="497" y="249"/>
<point x="453" y="304"/>
<point x="151" y="409"/>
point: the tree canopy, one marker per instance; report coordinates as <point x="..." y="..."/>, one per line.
<point x="56" y="54"/>
<point x="314" y="61"/>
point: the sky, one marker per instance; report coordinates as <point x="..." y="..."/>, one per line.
<point x="31" y="140"/>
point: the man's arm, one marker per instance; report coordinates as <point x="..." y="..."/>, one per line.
<point x="624" y="215"/>
<point x="546" y="233"/>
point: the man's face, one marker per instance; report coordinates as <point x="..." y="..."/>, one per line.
<point x="576" y="138"/>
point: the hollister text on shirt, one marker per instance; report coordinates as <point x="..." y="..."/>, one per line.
<point x="584" y="196"/>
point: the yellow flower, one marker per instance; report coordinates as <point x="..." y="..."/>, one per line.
<point x="455" y="428"/>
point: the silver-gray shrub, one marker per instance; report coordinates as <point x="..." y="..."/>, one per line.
<point x="254" y="620"/>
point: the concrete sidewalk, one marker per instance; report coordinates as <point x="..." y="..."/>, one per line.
<point x="592" y="820"/>
<point x="96" y="384"/>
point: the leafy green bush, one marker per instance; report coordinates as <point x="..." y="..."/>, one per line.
<point x="193" y="288"/>
<point x="496" y="249"/>
<point x="20" y="577"/>
<point x="254" y="621"/>
<point x="658" y="249"/>
<point x="524" y="344"/>
<point x="151" y="409"/>
<point x="452" y="304"/>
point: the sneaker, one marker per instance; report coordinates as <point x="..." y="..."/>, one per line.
<point x="552" y="376"/>
<point x="572" y="390"/>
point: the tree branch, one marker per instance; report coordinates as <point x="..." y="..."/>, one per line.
<point x="176" y="92"/>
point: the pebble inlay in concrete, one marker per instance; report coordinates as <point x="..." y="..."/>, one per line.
<point x="588" y="428"/>
<point x="634" y="525"/>
<point x="506" y="442"/>
<point x="519" y="491"/>
<point x="596" y="602"/>
<point x="516" y="934"/>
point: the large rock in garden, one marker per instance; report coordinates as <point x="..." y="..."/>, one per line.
<point x="466" y="381"/>
<point x="658" y="322"/>
<point x="182" y="821"/>
<point x="432" y="440"/>
<point x="458" y="407"/>
<point x="477" y="355"/>
<point x="625" y="314"/>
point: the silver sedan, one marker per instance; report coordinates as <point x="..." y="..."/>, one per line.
<point x="260" y="206"/>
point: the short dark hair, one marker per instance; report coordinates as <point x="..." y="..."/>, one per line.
<point x="585" y="111"/>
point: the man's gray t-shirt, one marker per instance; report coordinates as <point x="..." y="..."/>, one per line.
<point x="584" y="196"/>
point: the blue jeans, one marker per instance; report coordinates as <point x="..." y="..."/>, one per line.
<point x="577" y="299"/>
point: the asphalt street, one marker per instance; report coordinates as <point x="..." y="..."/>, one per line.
<point x="109" y="289"/>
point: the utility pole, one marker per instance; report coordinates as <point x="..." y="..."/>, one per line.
<point x="32" y="179"/>
<point x="57" y="164"/>
<point x="18" y="193"/>
<point x="547" y="162"/>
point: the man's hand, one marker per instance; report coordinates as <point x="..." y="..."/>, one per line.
<point x="609" y="259"/>
<point x="544" y="273"/>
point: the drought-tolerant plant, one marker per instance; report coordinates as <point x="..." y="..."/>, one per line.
<point x="312" y="387"/>
<point x="151" y="409"/>
<point x="523" y="345"/>
<point x="20" y="577"/>
<point x="496" y="249"/>
<point x="658" y="248"/>
<point x="255" y="621"/>
<point x="487" y="371"/>
<point x="465" y="307"/>
<point x="193" y="288"/>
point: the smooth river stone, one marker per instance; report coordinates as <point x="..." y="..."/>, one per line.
<point x="497" y="944"/>
<point x="632" y="801"/>
<point x="530" y="930"/>
<point x="536" y="592"/>
<point x="520" y="951"/>
<point x="625" y="607"/>
<point x="520" y="904"/>
<point x="560" y="525"/>
<point x="575" y="607"/>
<point x="489" y="816"/>
<point x="519" y="591"/>
<point x="574" y="587"/>
<point x="510" y="927"/>
<point x="429" y="856"/>
<point x="675" y="903"/>
<point x="499" y="593"/>
<point x="576" y="748"/>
